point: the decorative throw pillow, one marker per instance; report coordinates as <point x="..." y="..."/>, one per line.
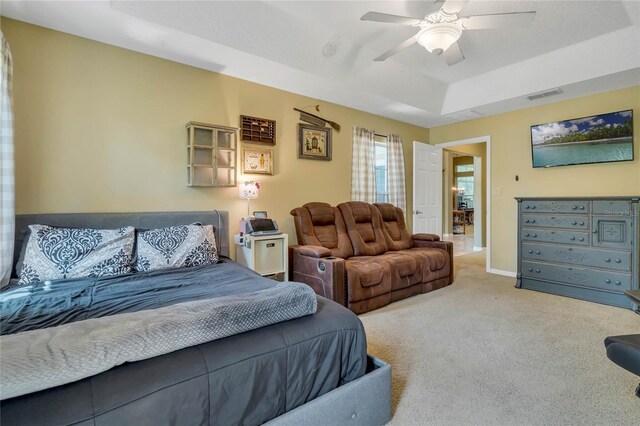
<point x="176" y="247"/>
<point x="57" y="253"/>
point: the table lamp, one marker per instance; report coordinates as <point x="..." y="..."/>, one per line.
<point x="249" y="191"/>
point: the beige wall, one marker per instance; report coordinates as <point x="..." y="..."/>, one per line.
<point x="511" y="156"/>
<point x="101" y="129"/>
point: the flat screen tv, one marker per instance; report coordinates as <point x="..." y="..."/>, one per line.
<point x="599" y="138"/>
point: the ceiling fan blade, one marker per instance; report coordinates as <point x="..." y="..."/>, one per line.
<point x="453" y="6"/>
<point x="397" y="49"/>
<point x="390" y="19"/>
<point x="453" y="54"/>
<point x="498" y="20"/>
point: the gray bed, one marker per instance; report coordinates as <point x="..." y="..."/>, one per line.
<point x="309" y="370"/>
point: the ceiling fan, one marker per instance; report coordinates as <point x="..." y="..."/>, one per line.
<point x="440" y="31"/>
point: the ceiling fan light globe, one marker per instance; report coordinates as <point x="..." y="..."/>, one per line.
<point x="439" y="37"/>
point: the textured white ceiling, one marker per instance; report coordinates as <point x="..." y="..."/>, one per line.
<point x="582" y="46"/>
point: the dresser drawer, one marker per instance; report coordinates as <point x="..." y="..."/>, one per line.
<point x="618" y="208"/>
<point x="562" y="237"/>
<point x="555" y="221"/>
<point x="618" y="260"/>
<point x="556" y="206"/>
<point x="606" y="280"/>
<point x="612" y="231"/>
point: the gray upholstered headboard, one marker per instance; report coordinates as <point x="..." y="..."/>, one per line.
<point x="219" y="220"/>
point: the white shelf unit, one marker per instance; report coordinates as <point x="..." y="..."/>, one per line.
<point x="265" y="254"/>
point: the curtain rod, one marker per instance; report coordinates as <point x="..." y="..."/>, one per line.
<point x="378" y="134"/>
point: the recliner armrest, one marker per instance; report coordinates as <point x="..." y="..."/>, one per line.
<point x="313" y="251"/>
<point x="325" y="275"/>
<point x="425" y="237"/>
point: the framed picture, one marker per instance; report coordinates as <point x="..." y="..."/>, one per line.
<point x="256" y="161"/>
<point x="314" y="142"/>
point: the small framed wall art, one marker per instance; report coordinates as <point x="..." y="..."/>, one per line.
<point x="256" y="161"/>
<point x="314" y="143"/>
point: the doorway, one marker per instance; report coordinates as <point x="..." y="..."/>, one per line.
<point x="464" y="146"/>
<point x="464" y="197"/>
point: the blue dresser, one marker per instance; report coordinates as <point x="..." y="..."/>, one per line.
<point x="586" y="248"/>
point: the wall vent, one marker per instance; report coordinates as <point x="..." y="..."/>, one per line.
<point x="544" y="94"/>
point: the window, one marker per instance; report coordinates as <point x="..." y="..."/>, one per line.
<point x="464" y="168"/>
<point x="464" y="184"/>
<point x="382" y="172"/>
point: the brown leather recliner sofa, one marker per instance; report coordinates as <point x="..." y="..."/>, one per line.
<point x="362" y="256"/>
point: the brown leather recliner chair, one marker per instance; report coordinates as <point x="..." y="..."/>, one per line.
<point x="437" y="265"/>
<point x="362" y="256"/>
<point x="324" y="244"/>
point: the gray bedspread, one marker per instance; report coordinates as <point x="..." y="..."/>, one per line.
<point x="247" y="378"/>
<point x="47" y="304"/>
<point x="35" y="360"/>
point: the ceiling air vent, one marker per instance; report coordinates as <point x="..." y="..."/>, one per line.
<point x="468" y="114"/>
<point x="544" y="94"/>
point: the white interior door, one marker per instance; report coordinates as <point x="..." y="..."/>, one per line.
<point x="427" y="188"/>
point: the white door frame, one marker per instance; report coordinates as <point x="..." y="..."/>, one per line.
<point x="481" y="139"/>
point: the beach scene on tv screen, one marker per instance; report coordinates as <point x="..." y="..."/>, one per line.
<point x="596" y="139"/>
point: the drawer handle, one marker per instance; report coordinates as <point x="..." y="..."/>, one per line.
<point x="574" y="207"/>
<point x="574" y="223"/>
<point x="534" y="235"/>
<point x="608" y="281"/>
<point x="607" y="260"/>
<point x="269" y="245"/>
<point x="526" y="234"/>
<point x="617" y="282"/>
<point x="530" y="251"/>
<point x="530" y="269"/>
<point x="526" y="207"/>
<point x="581" y="207"/>
<point x="533" y="221"/>
<point x="595" y="231"/>
<point x="618" y="260"/>
<point x="537" y="251"/>
<point x="581" y="238"/>
<point x="581" y="223"/>
<point x="526" y="221"/>
<point x="572" y="238"/>
<point x="537" y="271"/>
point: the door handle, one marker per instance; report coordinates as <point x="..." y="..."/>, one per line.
<point x="419" y="212"/>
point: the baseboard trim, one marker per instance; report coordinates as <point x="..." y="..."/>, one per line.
<point x="501" y="272"/>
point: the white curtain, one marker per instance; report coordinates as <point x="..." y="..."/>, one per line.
<point x="363" y="166"/>
<point x="395" y="168"/>
<point x="7" y="196"/>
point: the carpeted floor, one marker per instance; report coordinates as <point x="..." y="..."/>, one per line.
<point x="485" y="353"/>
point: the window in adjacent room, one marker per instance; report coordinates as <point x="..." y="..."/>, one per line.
<point x="464" y="184"/>
<point x="382" y="169"/>
<point x="464" y="168"/>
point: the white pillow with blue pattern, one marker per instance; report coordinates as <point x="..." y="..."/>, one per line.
<point x="176" y="247"/>
<point x="55" y="253"/>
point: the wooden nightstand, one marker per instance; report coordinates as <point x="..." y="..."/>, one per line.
<point x="265" y="254"/>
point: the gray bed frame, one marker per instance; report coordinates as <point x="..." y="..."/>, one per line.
<point x="365" y="401"/>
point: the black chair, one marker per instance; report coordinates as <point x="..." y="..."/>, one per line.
<point x="625" y="351"/>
